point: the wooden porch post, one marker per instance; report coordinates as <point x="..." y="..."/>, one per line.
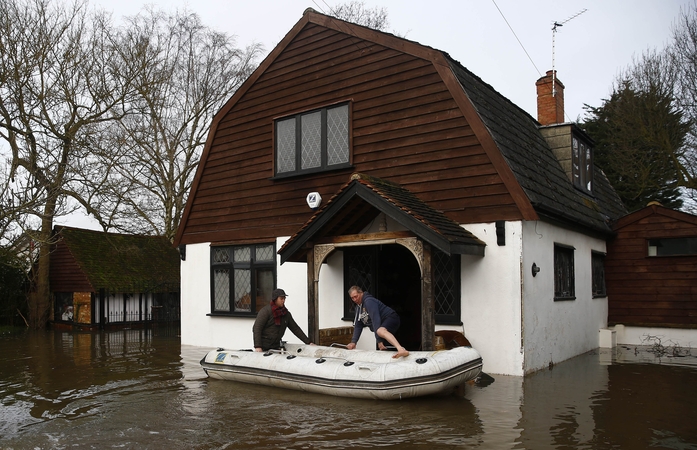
<point x="428" y="317"/>
<point x="312" y="299"/>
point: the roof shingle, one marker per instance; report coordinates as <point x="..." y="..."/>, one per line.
<point x="123" y="262"/>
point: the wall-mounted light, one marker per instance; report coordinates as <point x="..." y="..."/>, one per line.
<point x="535" y="269"/>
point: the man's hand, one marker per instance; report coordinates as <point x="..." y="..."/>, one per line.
<point x="381" y="346"/>
<point x="257" y="349"/>
<point x="351" y="346"/>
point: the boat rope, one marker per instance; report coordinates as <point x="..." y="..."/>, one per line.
<point x="324" y="358"/>
<point x="271" y="351"/>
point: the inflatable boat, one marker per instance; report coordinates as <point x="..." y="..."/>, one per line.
<point x="348" y="373"/>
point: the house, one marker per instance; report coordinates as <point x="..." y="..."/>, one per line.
<point x="651" y="278"/>
<point x="108" y="280"/>
<point x="352" y="156"/>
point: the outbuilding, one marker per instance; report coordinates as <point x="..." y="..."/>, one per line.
<point x="651" y="277"/>
<point x="109" y="280"/>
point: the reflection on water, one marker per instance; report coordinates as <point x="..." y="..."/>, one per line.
<point x="136" y="389"/>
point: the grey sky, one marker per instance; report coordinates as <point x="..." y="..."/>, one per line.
<point x="590" y="49"/>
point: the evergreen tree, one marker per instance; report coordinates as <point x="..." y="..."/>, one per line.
<point x="639" y="137"/>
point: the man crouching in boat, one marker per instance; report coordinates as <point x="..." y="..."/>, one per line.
<point x="271" y="323"/>
<point x="380" y="318"/>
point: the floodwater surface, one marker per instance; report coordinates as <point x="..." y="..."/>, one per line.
<point x="142" y="389"/>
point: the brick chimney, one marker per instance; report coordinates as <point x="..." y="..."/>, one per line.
<point x="550" y="102"/>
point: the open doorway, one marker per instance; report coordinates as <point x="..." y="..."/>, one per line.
<point x="391" y="273"/>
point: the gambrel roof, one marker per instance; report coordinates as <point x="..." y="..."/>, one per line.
<point x="534" y="165"/>
<point x="310" y="67"/>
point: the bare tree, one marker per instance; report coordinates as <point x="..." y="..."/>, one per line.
<point x="356" y="12"/>
<point x="683" y="53"/>
<point x="191" y="71"/>
<point x="63" y="79"/>
<point x="109" y="119"/>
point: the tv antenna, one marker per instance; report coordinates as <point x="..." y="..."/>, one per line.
<point x="554" y="35"/>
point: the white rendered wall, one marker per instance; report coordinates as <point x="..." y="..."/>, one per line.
<point x="667" y="337"/>
<point x="200" y="329"/>
<point x="554" y="331"/>
<point x="491" y="292"/>
<point x="331" y="292"/>
<point x="195" y="303"/>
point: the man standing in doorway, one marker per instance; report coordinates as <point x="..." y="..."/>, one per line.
<point x="380" y="318"/>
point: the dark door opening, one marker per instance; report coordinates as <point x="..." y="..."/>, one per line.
<point x="391" y="273"/>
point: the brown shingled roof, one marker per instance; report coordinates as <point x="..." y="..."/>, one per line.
<point x="361" y="200"/>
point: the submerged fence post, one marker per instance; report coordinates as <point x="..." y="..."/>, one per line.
<point x="102" y="318"/>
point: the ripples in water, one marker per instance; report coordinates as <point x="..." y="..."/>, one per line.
<point x="135" y="389"/>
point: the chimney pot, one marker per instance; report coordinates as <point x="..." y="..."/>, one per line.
<point x="550" y="99"/>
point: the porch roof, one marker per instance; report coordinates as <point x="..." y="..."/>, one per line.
<point x="361" y="200"/>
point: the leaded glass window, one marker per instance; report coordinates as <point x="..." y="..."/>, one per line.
<point x="312" y="141"/>
<point x="285" y="146"/>
<point x="311" y="148"/>
<point x="242" y="278"/>
<point x="446" y="287"/>
<point x="337" y="135"/>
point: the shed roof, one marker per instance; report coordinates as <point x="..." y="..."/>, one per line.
<point x="121" y="261"/>
<point x="655" y="209"/>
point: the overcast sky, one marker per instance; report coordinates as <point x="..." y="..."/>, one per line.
<point x="591" y="48"/>
<point x="507" y="43"/>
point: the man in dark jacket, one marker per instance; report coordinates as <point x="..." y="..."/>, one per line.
<point x="271" y="323"/>
<point x="380" y="318"/>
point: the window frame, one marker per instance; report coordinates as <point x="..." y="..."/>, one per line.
<point x="324" y="157"/>
<point x="654" y="253"/>
<point x="598" y="284"/>
<point x="581" y="163"/>
<point x="456" y="279"/>
<point x="564" y="272"/>
<point x="63" y="300"/>
<point x="253" y="265"/>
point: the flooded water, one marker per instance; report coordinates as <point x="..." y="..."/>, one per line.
<point x="138" y="389"/>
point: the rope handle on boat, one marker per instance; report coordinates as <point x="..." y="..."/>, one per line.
<point x="322" y="359"/>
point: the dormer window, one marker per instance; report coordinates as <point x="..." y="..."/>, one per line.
<point x="312" y="141"/>
<point x="582" y="164"/>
